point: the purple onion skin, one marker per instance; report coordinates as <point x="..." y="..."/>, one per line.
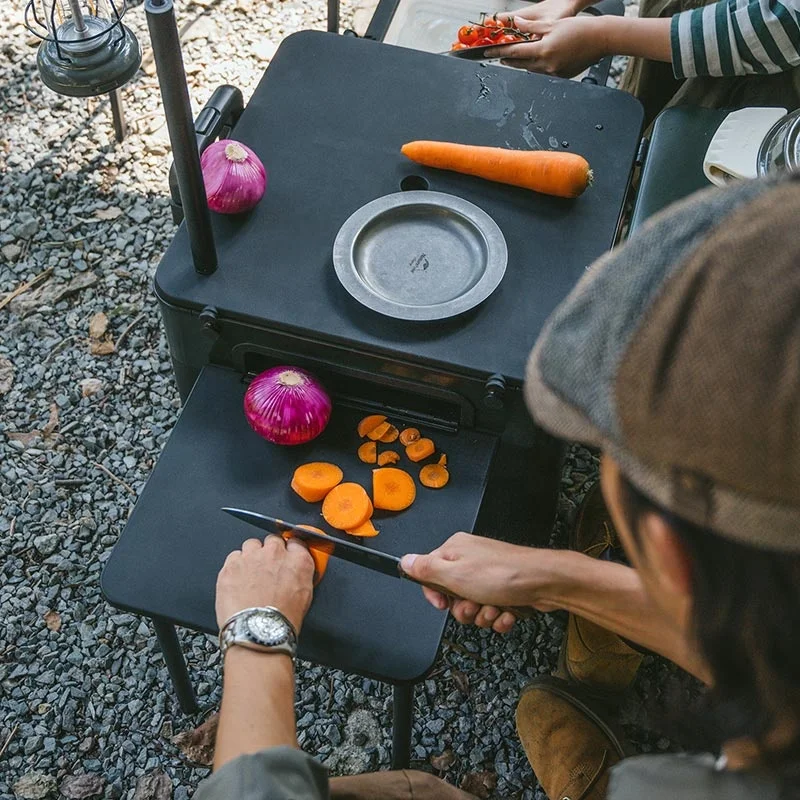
<point x="287" y="405"/>
<point x="234" y="176"/>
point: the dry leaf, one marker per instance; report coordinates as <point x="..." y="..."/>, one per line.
<point x="98" y="325"/>
<point x="6" y="375"/>
<point x="53" y="621"/>
<point x="90" y="386"/>
<point x="51" y="293"/>
<point x="155" y="786"/>
<point x="198" y="745"/>
<point x="52" y="423"/>
<point x="461" y="681"/>
<point x="112" y="212"/>
<point x="481" y="784"/>
<point x="27" y="439"/>
<point x="81" y="787"/>
<point x="443" y="762"/>
<point x="101" y="348"/>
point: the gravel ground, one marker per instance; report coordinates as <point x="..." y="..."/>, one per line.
<point x="85" y="706"/>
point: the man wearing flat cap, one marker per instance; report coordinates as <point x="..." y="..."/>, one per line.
<point x="678" y="355"/>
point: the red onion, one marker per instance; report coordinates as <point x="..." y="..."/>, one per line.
<point x="234" y="176"/>
<point x="287" y="405"/>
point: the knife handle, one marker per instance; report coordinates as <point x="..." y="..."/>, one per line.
<point x="521" y="612"/>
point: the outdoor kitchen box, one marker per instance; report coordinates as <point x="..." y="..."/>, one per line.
<point x="275" y="298"/>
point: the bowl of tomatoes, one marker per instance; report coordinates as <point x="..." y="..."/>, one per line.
<point x="492" y="30"/>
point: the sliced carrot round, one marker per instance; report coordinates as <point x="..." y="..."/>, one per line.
<point x="392" y="489"/>
<point x="434" y="476"/>
<point x="388" y="457"/>
<point x="313" y="481"/>
<point x="420" y="449"/>
<point x="381" y="430"/>
<point x="319" y="555"/>
<point x="368" y="452"/>
<point x="366" y="530"/>
<point x="370" y="423"/>
<point x="390" y="435"/>
<point x="346" y="506"/>
<point x="409" y="435"/>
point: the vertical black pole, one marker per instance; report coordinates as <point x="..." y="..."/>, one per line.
<point x="333" y="16"/>
<point x="178" y="111"/>
<point x="402" y="722"/>
<point x="118" y="114"/>
<point x="176" y="664"/>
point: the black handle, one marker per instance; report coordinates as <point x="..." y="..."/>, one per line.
<point x="216" y="121"/>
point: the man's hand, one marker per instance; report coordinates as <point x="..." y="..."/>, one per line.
<point x="274" y="573"/>
<point x="487" y="572"/>
<point x="564" y="47"/>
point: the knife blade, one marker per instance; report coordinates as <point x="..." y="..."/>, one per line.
<point x="375" y="560"/>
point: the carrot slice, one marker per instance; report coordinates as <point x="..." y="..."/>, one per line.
<point x="365" y="530"/>
<point x="390" y="435"/>
<point x="318" y="553"/>
<point x="376" y="433"/>
<point x="388" y="457"/>
<point x="346" y="506"/>
<point x="369" y="423"/>
<point x="392" y="489"/>
<point x="368" y="452"/>
<point x="420" y="449"/>
<point x="408" y="436"/>
<point x="435" y="476"/>
<point x="313" y="481"/>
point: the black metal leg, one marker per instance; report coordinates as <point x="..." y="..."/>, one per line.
<point x="402" y="719"/>
<point x="333" y="16"/>
<point x="118" y="115"/>
<point x="176" y="664"/>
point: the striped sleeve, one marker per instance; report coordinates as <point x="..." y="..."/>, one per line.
<point x="736" y="37"/>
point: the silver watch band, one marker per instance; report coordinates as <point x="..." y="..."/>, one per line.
<point x="235" y="632"/>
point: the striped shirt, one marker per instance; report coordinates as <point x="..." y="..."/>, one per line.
<point x="736" y="37"/>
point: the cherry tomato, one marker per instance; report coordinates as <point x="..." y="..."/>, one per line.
<point x="459" y="46"/>
<point x="507" y="38"/>
<point x="467" y="34"/>
<point x="484" y="41"/>
<point x="491" y="22"/>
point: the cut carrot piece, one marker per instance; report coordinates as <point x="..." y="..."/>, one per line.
<point x="313" y="481"/>
<point x="435" y="476"/>
<point x="376" y="433"/>
<point x="420" y="449"/>
<point x="370" y="423"/>
<point x="390" y="435"/>
<point x="368" y="452"/>
<point x="346" y="506"/>
<point x="365" y="530"/>
<point x="388" y="457"/>
<point x="408" y="436"/>
<point x="392" y="489"/>
<point x="318" y="553"/>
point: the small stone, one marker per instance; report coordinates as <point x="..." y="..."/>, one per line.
<point x="90" y="386"/>
<point x="10" y="251"/>
<point x="34" y="786"/>
<point x="139" y="214"/>
<point x="46" y="544"/>
<point x="155" y="786"/>
<point x="33" y="744"/>
<point x="81" y="787"/>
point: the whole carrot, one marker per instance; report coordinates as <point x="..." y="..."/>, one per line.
<point x="547" y="171"/>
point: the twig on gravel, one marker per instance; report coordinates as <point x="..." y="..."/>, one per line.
<point x="60" y="346"/>
<point x="114" y="477"/>
<point x="127" y="330"/>
<point x="8" y="739"/>
<point x="42" y="276"/>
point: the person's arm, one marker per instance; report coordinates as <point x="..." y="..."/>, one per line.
<point x="492" y="574"/>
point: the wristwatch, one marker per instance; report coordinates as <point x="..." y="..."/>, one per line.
<point x="263" y="629"/>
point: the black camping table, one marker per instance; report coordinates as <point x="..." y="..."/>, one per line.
<point x="328" y="120"/>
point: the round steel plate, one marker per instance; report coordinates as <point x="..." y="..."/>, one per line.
<point x="420" y="255"/>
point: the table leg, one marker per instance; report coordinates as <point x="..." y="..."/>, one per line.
<point x="176" y="664"/>
<point x="402" y="719"/>
<point x="118" y="115"/>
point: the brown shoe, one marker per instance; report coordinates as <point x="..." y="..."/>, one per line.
<point x="590" y="655"/>
<point x="405" y="784"/>
<point x="569" y="746"/>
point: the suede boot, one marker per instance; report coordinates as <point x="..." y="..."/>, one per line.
<point x="569" y="746"/>
<point x="590" y="655"/>
<point x="406" y="784"/>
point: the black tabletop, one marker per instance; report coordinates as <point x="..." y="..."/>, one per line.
<point x="177" y="538"/>
<point x="328" y="120"/>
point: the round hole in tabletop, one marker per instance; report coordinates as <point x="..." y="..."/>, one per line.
<point x="420" y="255"/>
<point x="414" y="183"/>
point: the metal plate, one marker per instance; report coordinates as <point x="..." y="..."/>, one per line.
<point x="471" y="53"/>
<point x="420" y="255"/>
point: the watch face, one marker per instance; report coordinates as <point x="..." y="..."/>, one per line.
<point x="267" y="629"/>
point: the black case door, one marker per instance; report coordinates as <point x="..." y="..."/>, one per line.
<point x="166" y="561"/>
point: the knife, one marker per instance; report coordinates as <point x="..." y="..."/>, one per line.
<point x="349" y="551"/>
